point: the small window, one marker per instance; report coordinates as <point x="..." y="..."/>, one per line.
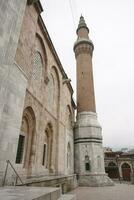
<point x="87" y="166"/>
<point x="87" y="163"/>
<point x="44" y="154"/>
<point x="20" y="149"/>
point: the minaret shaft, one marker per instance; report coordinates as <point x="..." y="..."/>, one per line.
<point x="83" y="49"/>
<point x="85" y="85"/>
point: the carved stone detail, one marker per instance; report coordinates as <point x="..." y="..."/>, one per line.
<point x="83" y="49"/>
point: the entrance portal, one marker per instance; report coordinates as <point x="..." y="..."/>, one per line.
<point x="126" y="171"/>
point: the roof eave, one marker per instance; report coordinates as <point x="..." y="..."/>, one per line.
<point x="54" y="52"/>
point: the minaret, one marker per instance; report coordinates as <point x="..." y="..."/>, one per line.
<point x="89" y="158"/>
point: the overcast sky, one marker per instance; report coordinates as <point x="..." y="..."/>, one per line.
<point x="111" y="24"/>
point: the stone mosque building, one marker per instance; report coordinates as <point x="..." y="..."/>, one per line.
<point x="39" y="136"/>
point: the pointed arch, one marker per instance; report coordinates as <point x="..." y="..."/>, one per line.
<point x="41" y="48"/>
<point x="126" y="171"/>
<point x="25" y="151"/>
<point x="53" y="91"/>
<point x="55" y="73"/>
<point x="69" y="117"/>
<point x="53" y="68"/>
<point x="40" y="58"/>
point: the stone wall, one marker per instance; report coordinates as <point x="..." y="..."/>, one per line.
<point x="47" y="95"/>
<point x="12" y="80"/>
<point x="32" y="91"/>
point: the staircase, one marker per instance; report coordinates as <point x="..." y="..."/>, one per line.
<point x="24" y="192"/>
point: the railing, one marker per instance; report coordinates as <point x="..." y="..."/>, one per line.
<point x="17" y="175"/>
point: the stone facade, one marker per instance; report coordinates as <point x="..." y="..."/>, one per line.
<point x="37" y="110"/>
<point x="12" y="80"/>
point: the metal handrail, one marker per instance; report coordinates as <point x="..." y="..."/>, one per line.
<point x="8" y="162"/>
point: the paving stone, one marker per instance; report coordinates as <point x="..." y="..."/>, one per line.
<point x="67" y="197"/>
<point x="117" y="192"/>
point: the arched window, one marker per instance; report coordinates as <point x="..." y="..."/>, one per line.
<point x="69" y="118"/>
<point x="50" y="92"/>
<point x="47" y="147"/>
<point x="40" y="47"/>
<point x="26" y="151"/>
<point x="37" y="67"/>
<point x="22" y="141"/>
<point x="54" y="91"/>
<point x="87" y="163"/>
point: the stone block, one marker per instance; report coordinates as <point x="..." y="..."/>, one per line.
<point x="29" y="193"/>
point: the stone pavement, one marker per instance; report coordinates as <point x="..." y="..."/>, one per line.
<point x="118" y="192"/>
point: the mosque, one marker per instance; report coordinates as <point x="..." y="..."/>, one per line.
<point x="40" y="140"/>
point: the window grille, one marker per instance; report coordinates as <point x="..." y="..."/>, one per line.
<point x="20" y="149"/>
<point x="37" y="66"/>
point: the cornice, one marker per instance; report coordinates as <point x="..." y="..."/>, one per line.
<point x="37" y="5"/>
<point x="83" y="41"/>
<point x="83" y="48"/>
<point x="51" y="46"/>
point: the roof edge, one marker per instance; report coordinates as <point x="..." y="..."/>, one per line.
<point x="37" y="4"/>
<point x="54" y="52"/>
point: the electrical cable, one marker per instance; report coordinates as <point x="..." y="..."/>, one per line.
<point x="71" y="8"/>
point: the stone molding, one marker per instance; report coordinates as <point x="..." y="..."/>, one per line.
<point x="88" y="119"/>
<point x="60" y="67"/>
<point x="82" y="26"/>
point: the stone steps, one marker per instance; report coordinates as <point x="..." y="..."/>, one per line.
<point x="29" y="193"/>
<point x="65" y="182"/>
<point x="32" y="193"/>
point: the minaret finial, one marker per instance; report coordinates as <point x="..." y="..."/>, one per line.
<point x="82" y="23"/>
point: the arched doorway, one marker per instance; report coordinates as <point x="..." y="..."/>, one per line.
<point x="126" y="171"/>
<point x="112" y="170"/>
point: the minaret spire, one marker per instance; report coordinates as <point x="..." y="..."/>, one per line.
<point x="82" y="22"/>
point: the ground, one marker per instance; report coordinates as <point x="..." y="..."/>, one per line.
<point x="122" y="191"/>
